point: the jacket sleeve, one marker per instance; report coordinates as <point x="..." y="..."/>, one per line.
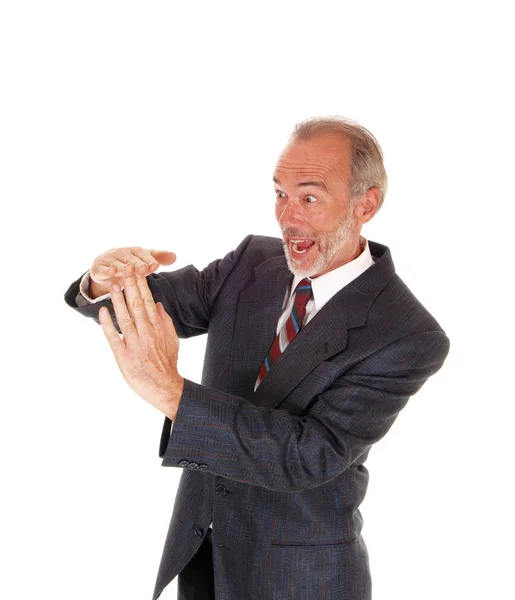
<point x="187" y="294"/>
<point x="231" y="437"/>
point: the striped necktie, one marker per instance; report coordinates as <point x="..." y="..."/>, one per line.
<point x="303" y="293"/>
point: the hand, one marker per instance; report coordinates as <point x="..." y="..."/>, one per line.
<point x="147" y="354"/>
<point x="117" y="263"/>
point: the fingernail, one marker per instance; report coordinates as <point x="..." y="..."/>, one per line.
<point x="115" y="287"/>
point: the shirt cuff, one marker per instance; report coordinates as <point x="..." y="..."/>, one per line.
<point x="83" y="294"/>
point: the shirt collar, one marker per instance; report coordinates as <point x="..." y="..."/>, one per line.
<point x="326" y="286"/>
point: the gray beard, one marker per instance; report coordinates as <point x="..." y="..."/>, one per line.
<point x="334" y="241"/>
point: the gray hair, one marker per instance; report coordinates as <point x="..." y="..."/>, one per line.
<point x="367" y="165"/>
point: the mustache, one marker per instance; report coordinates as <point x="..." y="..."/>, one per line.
<point x="296" y="233"/>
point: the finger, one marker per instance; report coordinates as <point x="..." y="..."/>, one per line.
<point x="123" y="315"/>
<point x="134" y="265"/>
<point x="110" y="332"/>
<point x="146" y="263"/>
<point x="164" y="257"/>
<point x="101" y="272"/>
<point x="135" y="258"/>
<point x="128" y="262"/>
<point x="151" y="259"/>
<point x="112" y="263"/>
<point x="135" y="305"/>
<point x="124" y="261"/>
<point x="148" y="301"/>
<point x="123" y="269"/>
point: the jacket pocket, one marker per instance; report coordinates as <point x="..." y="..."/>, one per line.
<point x="328" y="544"/>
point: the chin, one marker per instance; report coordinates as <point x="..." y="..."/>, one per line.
<point x="303" y="267"/>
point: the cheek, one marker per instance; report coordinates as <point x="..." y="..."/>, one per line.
<point x="332" y="220"/>
<point x="319" y="222"/>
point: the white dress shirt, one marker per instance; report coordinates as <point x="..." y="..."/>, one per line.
<point x="325" y="286"/>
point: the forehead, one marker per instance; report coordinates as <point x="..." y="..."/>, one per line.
<point x="324" y="156"/>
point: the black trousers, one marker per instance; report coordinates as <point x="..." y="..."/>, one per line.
<point x="196" y="580"/>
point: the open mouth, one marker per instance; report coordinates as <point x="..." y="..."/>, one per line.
<point x="299" y="247"/>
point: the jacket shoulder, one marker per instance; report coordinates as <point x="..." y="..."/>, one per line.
<point x="415" y="314"/>
<point x="397" y="299"/>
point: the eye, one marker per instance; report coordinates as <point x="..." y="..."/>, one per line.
<point x="311" y="199"/>
<point x="280" y="194"/>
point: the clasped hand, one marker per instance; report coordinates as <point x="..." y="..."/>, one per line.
<point x="147" y="354"/>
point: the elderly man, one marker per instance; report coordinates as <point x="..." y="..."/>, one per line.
<point x="314" y="346"/>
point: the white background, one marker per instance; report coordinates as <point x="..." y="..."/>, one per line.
<point x="158" y="124"/>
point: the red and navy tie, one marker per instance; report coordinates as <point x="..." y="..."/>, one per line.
<point x="303" y="294"/>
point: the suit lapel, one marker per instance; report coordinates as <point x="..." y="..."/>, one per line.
<point x="259" y="309"/>
<point x="323" y="336"/>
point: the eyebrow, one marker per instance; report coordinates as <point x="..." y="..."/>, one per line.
<point x="313" y="182"/>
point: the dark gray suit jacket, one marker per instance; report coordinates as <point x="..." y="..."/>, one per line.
<point x="280" y="471"/>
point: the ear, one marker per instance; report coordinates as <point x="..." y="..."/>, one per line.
<point x="367" y="205"/>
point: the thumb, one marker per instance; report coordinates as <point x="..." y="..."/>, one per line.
<point x="164" y="257"/>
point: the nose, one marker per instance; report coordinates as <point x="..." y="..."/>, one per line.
<point x="288" y="215"/>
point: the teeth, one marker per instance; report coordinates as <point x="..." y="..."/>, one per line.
<point x="296" y="248"/>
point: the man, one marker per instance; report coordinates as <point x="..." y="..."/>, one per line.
<point x="314" y="346"/>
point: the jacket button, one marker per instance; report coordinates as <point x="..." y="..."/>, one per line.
<point x="193" y="465"/>
<point x="183" y="463"/>
<point x="198" y="532"/>
<point x="221" y="490"/>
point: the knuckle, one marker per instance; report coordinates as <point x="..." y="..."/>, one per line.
<point x="137" y="304"/>
<point x="125" y="318"/>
